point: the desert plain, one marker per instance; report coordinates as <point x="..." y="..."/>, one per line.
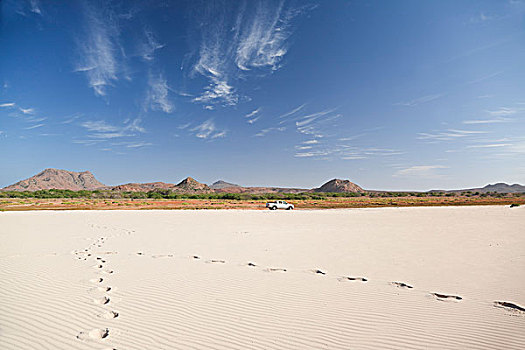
<point x="370" y="278"/>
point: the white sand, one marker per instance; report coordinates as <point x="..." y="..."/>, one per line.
<point x="163" y="298"/>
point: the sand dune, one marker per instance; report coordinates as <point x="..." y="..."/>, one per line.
<point x="411" y="278"/>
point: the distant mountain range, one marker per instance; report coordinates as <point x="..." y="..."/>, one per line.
<point x="498" y="187"/>
<point x="76" y="181"/>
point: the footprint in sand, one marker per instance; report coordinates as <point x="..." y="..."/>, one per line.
<point x="96" y="280"/>
<point x="508" y="305"/>
<point x="196" y="257"/>
<point x="319" y="272"/>
<point x="101" y="301"/>
<point x="109" y="315"/>
<point x="95" y="334"/>
<point x="440" y="296"/>
<point x="214" y="261"/>
<point x="250" y="264"/>
<point x="108" y="272"/>
<point x="275" y="269"/>
<point x="401" y="285"/>
<point x="103" y="289"/>
<point x="350" y="278"/>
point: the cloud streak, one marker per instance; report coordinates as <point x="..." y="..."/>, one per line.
<point x="98" y="49"/>
<point x="236" y="40"/>
<point x="157" y="95"/>
<point x="420" y="100"/>
<point x="101" y="130"/>
<point x="427" y="171"/>
<point x="208" y="130"/>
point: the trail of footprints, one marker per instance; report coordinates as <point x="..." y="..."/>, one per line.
<point x="402" y="285"/>
<point x="101" y="289"/>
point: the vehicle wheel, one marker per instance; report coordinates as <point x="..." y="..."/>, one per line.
<point x="274" y="208"/>
<point x="289" y="208"/>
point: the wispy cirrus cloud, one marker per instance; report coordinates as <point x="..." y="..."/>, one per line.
<point x="208" y="130"/>
<point x="291" y="113"/>
<point x="266" y="131"/>
<point x="149" y="46"/>
<point x="7" y="105"/>
<point x="102" y="130"/>
<point x="35" y="7"/>
<point x="99" y="48"/>
<point x="448" y="135"/>
<point x="489" y="121"/>
<point x="263" y="40"/>
<point x="253" y="116"/>
<point x="503" y="111"/>
<point x="253" y="113"/>
<point x="491" y="145"/>
<point x="34" y="126"/>
<point x="27" y="110"/>
<point x="157" y="96"/>
<point x="253" y="120"/>
<point x="237" y="39"/>
<point x="426" y="171"/>
<point x="420" y="100"/>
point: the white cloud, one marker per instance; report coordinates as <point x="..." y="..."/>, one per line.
<point x="7" y="105"/>
<point x="293" y="111"/>
<point x="27" y="110"/>
<point x="420" y="100"/>
<point x="238" y="39"/>
<point x="488" y="121"/>
<point x="34" y="126"/>
<point x="251" y="121"/>
<point x="426" y="171"/>
<point x="450" y="134"/>
<point x="99" y="49"/>
<point x="262" y="41"/>
<point x="503" y="111"/>
<point x="149" y="46"/>
<point x="493" y="145"/>
<point x="218" y="90"/>
<point x="305" y="154"/>
<point x="138" y="144"/>
<point x="99" y="126"/>
<point x="207" y="130"/>
<point x="100" y="129"/>
<point x="253" y="113"/>
<point x="157" y="95"/>
<point x="310" y="142"/>
<point x="35" y="7"/>
<point x="264" y="132"/>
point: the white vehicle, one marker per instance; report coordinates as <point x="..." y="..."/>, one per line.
<point x="279" y="205"/>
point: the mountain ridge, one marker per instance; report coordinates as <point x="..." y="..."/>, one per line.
<point x="52" y="178"/>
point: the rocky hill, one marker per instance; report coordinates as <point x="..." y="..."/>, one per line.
<point x="217" y="185"/>
<point x="57" y="179"/>
<point x="191" y="185"/>
<point x="337" y="185"/>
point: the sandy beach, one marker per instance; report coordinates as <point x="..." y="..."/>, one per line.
<point x="389" y="278"/>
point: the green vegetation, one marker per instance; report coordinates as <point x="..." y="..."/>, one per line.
<point x="167" y="194"/>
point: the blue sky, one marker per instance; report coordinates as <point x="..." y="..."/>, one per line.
<point x="406" y="95"/>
